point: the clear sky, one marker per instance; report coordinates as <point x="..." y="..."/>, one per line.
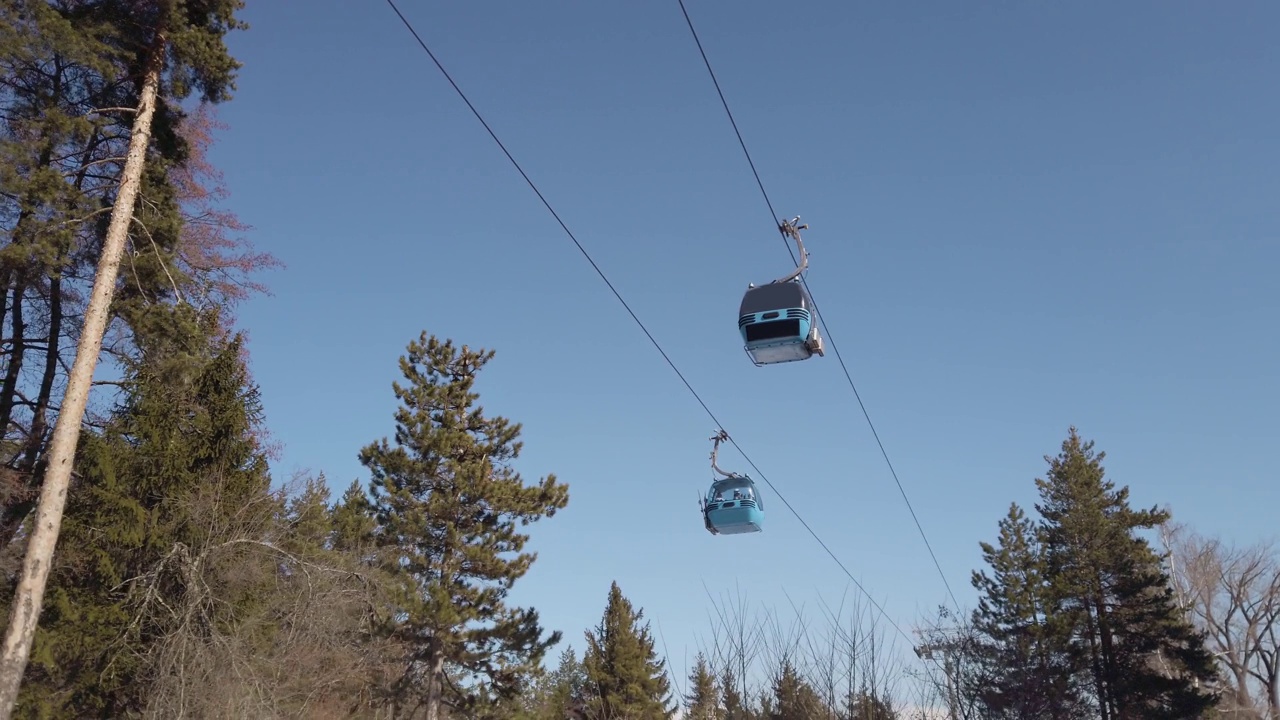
<point x="1023" y="216"/>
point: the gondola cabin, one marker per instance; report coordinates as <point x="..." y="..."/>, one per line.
<point x="778" y="324"/>
<point x="733" y="507"/>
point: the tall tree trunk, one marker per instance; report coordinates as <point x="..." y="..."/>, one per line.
<point x="6" y="278"/>
<point x="40" y="414"/>
<point x="435" y="682"/>
<point x="9" y="387"/>
<point x="1106" y="640"/>
<point x="22" y="271"/>
<point x="24" y="613"/>
<point x="18" y="503"/>
<point x="16" y="512"/>
<point x="1095" y="663"/>
<point x="1272" y="679"/>
<point x="19" y="273"/>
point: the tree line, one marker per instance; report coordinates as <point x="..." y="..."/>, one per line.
<point x="189" y="581"/>
<point x="1095" y="609"/>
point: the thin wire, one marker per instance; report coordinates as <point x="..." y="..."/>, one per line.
<point x="734" y="123"/>
<point x="821" y="320"/>
<point x="658" y="346"/>
<point x="668" y="670"/>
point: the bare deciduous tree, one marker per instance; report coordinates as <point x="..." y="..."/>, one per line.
<point x="250" y="628"/>
<point x="735" y="644"/>
<point x="841" y="654"/>
<point x="1232" y="594"/>
<point x="953" y="669"/>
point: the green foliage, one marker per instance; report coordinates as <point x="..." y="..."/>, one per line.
<point x="353" y="522"/>
<point x="869" y="706"/>
<point x="567" y="687"/>
<point x="198" y="56"/>
<point x="736" y="707"/>
<point x="76" y="65"/>
<point x="1108" y="584"/>
<point x="625" y="677"/>
<point x="1078" y="617"/>
<point x="448" y="508"/>
<point x="176" y="463"/>
<point x="72" y="74"/>
<point x="1023" y="643"/>
<point x="703" y="699"/>
<point x="52" y="156"/>
<point x="308" y="518"/>
<point x="793" y="698"/>
<point x="557" y="694"/>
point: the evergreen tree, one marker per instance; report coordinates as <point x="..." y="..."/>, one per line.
<point x="1028" y="671"/>
<point x="703" y="699"/>
<point x="625" y="677"/>
<point x="136" y="61"/>
<point x="448" y="508"/>
<point x="175" y="465"/>
<point x="1142" y="658"/>
<point x="307" y="517"/>
<point x="793" y="698"/>
<point x="869" y="706"/>
<point x="735" y="705"/>
<point x="555" y="695"/>
<point x="74" y="94"/>
<point x="561" y="692"/>
<point x="353" y="522"/>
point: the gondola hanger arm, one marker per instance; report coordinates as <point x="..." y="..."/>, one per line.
<point x="718" y="438"/>
<point x="791" y="229"/>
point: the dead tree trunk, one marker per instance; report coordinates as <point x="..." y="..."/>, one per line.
<point x="24" y="613"/>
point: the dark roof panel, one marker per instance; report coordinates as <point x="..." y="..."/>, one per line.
<point x="775" y="296"/>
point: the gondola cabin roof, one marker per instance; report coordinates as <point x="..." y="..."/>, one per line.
<point x="775" y="296"/>
<point x="733" y="483"/>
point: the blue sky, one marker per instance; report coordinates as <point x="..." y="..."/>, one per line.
<point x="1022" y="216"/>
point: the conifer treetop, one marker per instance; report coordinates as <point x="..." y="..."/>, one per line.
<point x="448" y="509"/>
<point x="625" y="676"/>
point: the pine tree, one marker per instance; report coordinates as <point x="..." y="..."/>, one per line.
<point x="703" y="699"/>
<point x="625" y="677"/>
<point x="448" y="508"/>
<point x="1142" y="658"/>
<point x="1025" y="654"/>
